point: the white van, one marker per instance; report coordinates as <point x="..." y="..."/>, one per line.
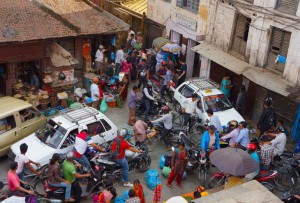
<point x="208" y="96"/>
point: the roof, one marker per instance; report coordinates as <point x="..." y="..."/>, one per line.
<point x="87" y="16"/>
<point x="59" y="56"/>
<point x="28" y="20"/>
<point x="138" y="6"/>
<point x="8" y="105"/>
<point x="23" y="20"/>
<point x="269" y="80"/>
<point x="222" y="58"/>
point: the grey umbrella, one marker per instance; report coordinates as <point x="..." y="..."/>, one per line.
<point x="233" y="161"/>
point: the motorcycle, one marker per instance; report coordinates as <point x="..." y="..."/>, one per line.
<point x="266" y="178"/>
<point x="110" y="170"/>
<point x="154" y="109"/>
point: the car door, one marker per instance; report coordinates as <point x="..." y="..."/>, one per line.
<point x="96" y="128"/>
<point x="184" y="92"/>
<point x="9" y="133"/>
<point x="200" y="110"/>
<point x="68" y="142"/>
<point x="31" y="120"/>
<point x="110" y="131"/>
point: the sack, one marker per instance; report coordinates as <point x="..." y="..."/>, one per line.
<point x="152" y="178"/>
<point x="31" y="199"/>
<point x="119" y="101"/>
<point x="166" y="171"/>
<point x="162" y="162"/>
<point x="103" y="106"/>
<point x="119" y="199"/>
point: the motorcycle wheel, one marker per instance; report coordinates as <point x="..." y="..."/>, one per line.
<point x="40" y="183"/>
<point x="215" y="182"/>
<point x="284" y="181"/>
<point x="144" y="164"/>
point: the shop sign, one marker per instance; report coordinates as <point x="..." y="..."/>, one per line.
<point x="186" y="22"/>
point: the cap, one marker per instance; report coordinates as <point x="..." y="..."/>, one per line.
<point x="101" y="47"/>
<point x="212" y="127"/>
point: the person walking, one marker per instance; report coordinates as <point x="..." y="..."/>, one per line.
<point x="119" y="59"/>
<point x="95" y="94"/>
<point x="178" y="164"/>
<point x="214" y="120"/>
<point x="267" y="118"/>
<point x="148" y="99"/>
<point x="189" y="108"/>
<point x="166" y="83"/>
<point x="241" y="99"/>
<point x="143" y="73"/>
<point x="72" y="176"/>
<point x="23" y="160"/>
<point x="226" y="85"/>
<point x="99" y="60"/>
<point x="55" y="179"/>
<point x="131" y="104"/>
<point x="181" y="71"/>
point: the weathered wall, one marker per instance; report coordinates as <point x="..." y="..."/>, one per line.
<point x="159" y="11"/>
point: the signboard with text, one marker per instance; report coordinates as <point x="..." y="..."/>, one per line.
<point x="186" y="22"/>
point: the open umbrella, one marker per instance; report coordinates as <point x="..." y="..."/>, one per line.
<point x="171" y="48"/>
<point x="233" y="161"/>
<point x="159" y="42"/>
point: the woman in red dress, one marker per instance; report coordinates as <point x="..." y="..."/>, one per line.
<point x="138" y="190"/>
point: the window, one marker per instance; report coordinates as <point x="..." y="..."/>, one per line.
<point x="288" y="6"/>
<point x="186" y="91"/>
<point x="28" y="114"/>
<point x="279" y="45"/>
<point x="6" y="124"/>
<point x="169" y="1"/>
<point x="250" y="1"/>
<point x="192" y="5"/>
<point x="240" y="37"/>
<point x="95" y="128"/>
<point x="199" y="103"/>
<point x="70" y="140"/>
<point x="106" y="125"/>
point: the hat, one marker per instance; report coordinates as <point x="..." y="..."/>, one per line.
<point x="212" y="127"/>
<point x="101" y="46"/>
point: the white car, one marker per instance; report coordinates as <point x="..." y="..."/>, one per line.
<point x="58" y="134"/>
<point x="208" y="96"/>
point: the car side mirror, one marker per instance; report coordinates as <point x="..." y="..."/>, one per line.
<point x="102" y="135"/>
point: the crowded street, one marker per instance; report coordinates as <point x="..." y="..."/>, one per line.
<point x="145" y="101"/>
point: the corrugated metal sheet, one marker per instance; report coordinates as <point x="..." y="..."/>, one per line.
<point x="138" y="6"/>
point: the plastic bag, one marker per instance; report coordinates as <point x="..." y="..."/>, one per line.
<point x="152" y="178"/>
<point x="162" y="162"/>
<point x="103" y="106"/>
<point x="119" y="199"/>
<point x="166" y="171"/>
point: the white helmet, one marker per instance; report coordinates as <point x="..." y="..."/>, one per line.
<point x="123" y="132"/>
<point x="70" y="155"/>
<point x="82" y="128"/>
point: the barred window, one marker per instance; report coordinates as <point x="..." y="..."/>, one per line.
<point x="192" y="5"/>
<point x="288" y="6"/>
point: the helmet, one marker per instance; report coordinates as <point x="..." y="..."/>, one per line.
<point x="149" y="83"/>
<point x="123" y="132"/>
<point x="70" y="155"/>
<point x="82" y="128"/>
<point x="165" y="109"/>
<point x="252" y="147"/>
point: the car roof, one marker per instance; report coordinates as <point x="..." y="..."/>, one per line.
<point x="9" y="105"/>
<point x="70" y="118"/>
<point x="210" y="92"/>
<point x="204" y="91"/>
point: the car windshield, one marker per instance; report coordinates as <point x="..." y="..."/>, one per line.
<point x="51" y="134"/>
<point x="217" y="103"/>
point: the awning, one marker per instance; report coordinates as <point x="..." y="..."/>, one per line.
<point x="59" y="56"/>
<point x="269" y="80"/>
<point x="138" y="6"/>
<point x="222" y="58"/>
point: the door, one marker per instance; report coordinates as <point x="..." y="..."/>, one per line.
<point x="9" y="133"/>
<point x="69" y="141"/>
<point x="31" y="121"/>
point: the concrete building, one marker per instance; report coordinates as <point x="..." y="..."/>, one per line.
<point x="258" y="43"/>
<point x="186" y="24"/>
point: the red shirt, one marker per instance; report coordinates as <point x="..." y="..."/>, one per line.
<point x="13" y="181"/>
<point x="123" y="146"/>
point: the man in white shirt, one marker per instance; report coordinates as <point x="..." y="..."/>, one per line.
<point x="130" y="32"/>
<point x="95" y="94"/>
<point x="189" y="107"/>
<point x="278" y="144"/>
<point x="99" y="60"/>
<point x="214" y="120"/>
<point x="22" y="161"/>
<point x="119" y="59"/>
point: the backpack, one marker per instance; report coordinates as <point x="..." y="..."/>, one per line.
<point x="116" y="153"/>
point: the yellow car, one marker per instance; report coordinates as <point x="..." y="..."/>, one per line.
<point x="18" y="119"/>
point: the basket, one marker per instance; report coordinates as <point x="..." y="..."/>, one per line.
<point x="63" y="102"/>
<point x="53" y="102"/>
<point x="44" y="106"/>
<point x="112" y="104"/>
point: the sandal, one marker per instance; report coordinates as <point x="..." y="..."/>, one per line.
<point x="70" y="200"/>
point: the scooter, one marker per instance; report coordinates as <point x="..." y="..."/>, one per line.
<point x="154" y="109"/>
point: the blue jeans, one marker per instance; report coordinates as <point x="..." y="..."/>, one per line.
<point x="125" y="168"/>
<point x="147" y="103"/>
<point x="84" y="161"/>
<point x="63" y="184"/>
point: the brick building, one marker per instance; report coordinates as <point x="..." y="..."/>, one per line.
<point x="29" y="28"/>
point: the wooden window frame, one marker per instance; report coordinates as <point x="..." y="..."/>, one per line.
<point x="290" y="8"/>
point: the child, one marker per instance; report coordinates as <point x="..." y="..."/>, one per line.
<point x="138" y="190"/>
<point x="266" y="153"/>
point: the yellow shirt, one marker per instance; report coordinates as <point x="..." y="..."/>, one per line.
<point x="233" y="181"/>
